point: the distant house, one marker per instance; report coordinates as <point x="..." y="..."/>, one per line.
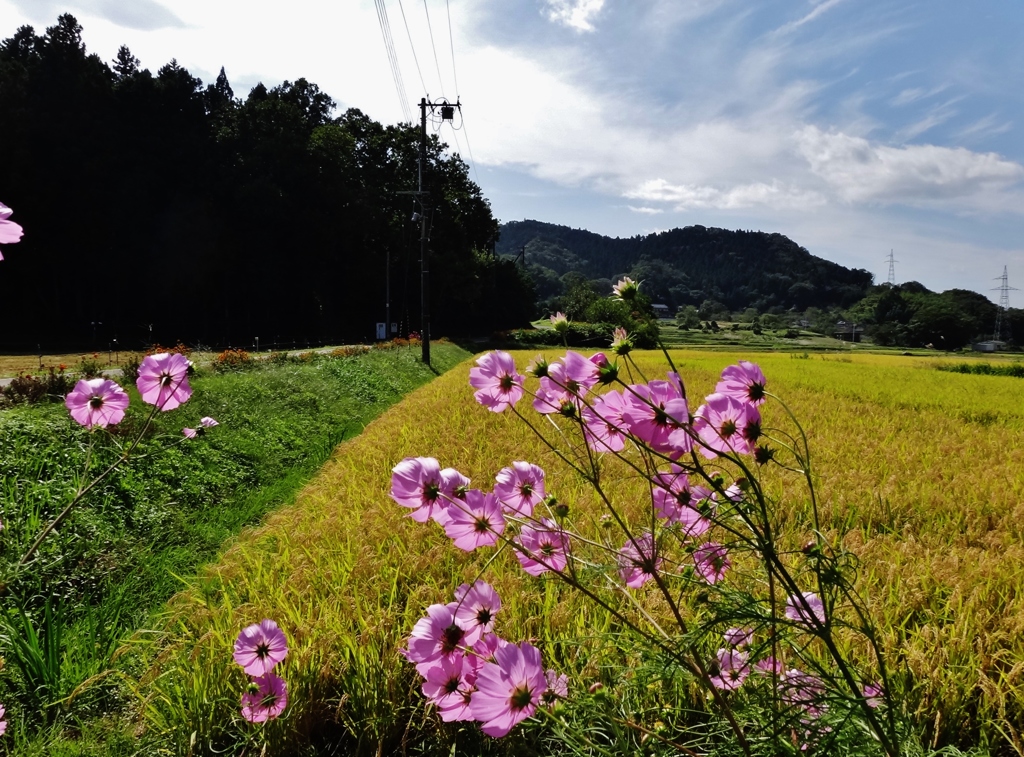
<point x="989" y="345"/>
<point x="661" y="311"/>
<point x="847" y="332"/>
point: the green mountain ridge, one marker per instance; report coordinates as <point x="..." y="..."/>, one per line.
<point x="687" y="266"/>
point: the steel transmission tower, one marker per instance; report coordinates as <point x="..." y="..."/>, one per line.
<point x="892" y="269"/>
<point x="1004" y="305"/>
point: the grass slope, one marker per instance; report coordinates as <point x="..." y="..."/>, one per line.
<point x="125" y="550"/>
<point x="919" y="473"/>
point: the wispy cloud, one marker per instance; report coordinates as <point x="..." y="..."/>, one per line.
<point x="988" y="126"/>
<point x="644" y="210"/>
<point x="144" y="15"/>
<point x="576" y="14"/>
<point x="817" y="11"/>
<point x="685" y="197"/>
<point x="862" y="172"/>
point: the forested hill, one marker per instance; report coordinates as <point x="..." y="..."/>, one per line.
<point x="688" y="266"/>
<point x="158" y="209"/>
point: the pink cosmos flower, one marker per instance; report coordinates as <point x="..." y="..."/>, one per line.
<point x="10" y="232"/>
<point x="567" y="380"/>
<point x="739" y="637"/>
<point x="873" y="694"/>
<point x="97" y="402"/>
<point x="604" y="426"/>
<point x="475" y="522"/>
<point x="559" y="322"/>
<point x="3" y="721"/>
<point x="204" y="423"/>
<point x="497" y="384"/>
<point x="744" y="381"/>
<point x="770" y="666"/>
<point x="260" y="647"/>
<point x="639" y="560"/>
<point x="163" y="380"/>
<point x="558" y="687"/>
<point x="435" y="636"/>
<point x="801" y="609"/>
<point x="711" y="561"/>
<point x="656" y="413"/>
<point x="726" y="424"/>
<point x="476" y="607"/>
<point x="416" y="483"/>
<point x="733" y="669"/>
<point x="447" y="683"/>
<point x="520" y="488"/>
<point x="546" y="547"/>
<point x="266" y="699"/>
<point x="676" y="500"/>
<point x="803" y="691"/>
<point x="509" y="689"/>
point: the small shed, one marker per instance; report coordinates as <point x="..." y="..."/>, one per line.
<point x="989" y="345"/>
<point x="847" y="332"/>
<point x="661" y="311"/>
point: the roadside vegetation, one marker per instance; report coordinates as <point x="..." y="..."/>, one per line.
<point x="136" y="539"/>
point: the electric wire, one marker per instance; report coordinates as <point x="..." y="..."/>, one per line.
<point x="437" y="63"/>
<point x="451" y="43"/>
<point x="406" y="108"/>
<point x="389" y="46"/>
<point x="413" y="47"/>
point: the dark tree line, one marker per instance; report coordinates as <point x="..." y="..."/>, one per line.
<point x="910" y="315"/>
<point x="156" y="209"/>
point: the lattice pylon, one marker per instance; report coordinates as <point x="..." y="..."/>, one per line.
<point x="892" y="269"/>
<point x="1004" y="305"/>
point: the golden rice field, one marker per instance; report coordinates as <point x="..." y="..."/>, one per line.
<point x="920" y="472"/>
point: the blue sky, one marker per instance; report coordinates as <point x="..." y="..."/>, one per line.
<point x="853" y="126"/>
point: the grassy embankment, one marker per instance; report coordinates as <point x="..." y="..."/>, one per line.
<point x="919" y="473"/>
<point x="130" y="542"/>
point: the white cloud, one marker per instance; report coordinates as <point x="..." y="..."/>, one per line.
<point x="646" y="210"/>
<point x="859" y="171"/>
<point x="576" y="14"/>
<point x="685" y="197"/>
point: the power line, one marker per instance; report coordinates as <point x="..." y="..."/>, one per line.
<point x="389" y="46"/>
<point x="413" y="47"/>
<point x="437" y="63"/>
<point x="451" y="43"/>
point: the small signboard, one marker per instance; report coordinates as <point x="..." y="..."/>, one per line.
<point x="382" y="331"/>
<point x="394" y="328"/>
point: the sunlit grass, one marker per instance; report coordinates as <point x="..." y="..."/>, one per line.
<point x="918" y="471"/>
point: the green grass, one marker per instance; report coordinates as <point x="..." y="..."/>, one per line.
<point x="135" y="539"/>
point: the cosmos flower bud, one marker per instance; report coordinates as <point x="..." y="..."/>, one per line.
<point x="539" y="367"/>
<point x="559" y="322"/>
<point x="625" y="289"/>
